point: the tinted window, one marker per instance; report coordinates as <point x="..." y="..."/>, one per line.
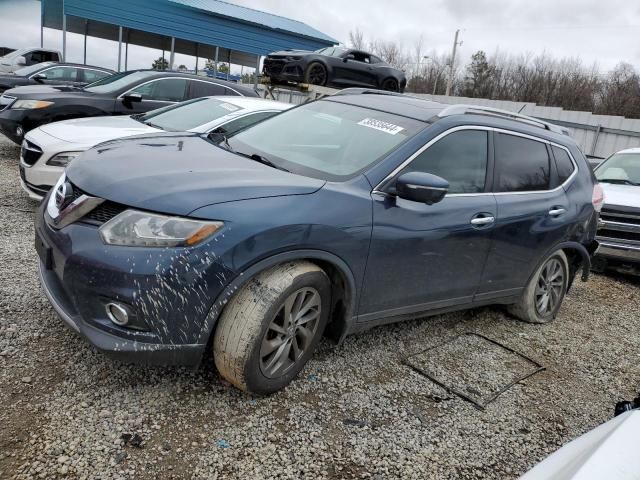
<point x="238" y="124"/>
<point x="166" y="89"/>
<point x="61" y="73"/>
<point x="205" y="89"/>
<point x="117" y="81"/>
<point x="460" y="158"/>
<point x="35" y="57"/>
<point x="564" y="165"/>
<point x="91" y="76"/>
<point x="326" y="139"/>
<point x="522" y="164"/>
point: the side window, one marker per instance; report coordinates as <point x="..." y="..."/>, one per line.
<point x="52" y="57"/>
<point x="564" y="165"/>
<point x="205" y="89"/>
<point x="460" y="158"/>
<point x="522" y="164"/>
<point x="91" y="76"/>
<point x="238" y="124"/>
<point x="62" y="73"/>
<point x="166" y="89"/>
<point x="361" y="57"/>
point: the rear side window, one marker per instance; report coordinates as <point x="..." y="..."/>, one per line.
<point x="460" y="158"/>
<point x="68" y="74"/>
<point x="522" y="164"/>
<point x="205" y="89"/>
<point x="564" y="165"/>
<point x="91" y="76"/>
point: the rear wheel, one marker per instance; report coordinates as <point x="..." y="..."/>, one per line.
<point x="545" y="291"/>
<point x="391" y="85"/>
<point x="270" y="329"/>
<point x="316" y="74"/>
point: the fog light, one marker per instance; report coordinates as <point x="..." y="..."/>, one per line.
<point x="19" y="131"/>
<point x="117" y="314"/>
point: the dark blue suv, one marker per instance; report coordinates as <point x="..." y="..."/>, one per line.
<point x="359" y="209"/>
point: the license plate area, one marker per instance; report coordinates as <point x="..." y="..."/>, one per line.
<point x="44" y="251"/>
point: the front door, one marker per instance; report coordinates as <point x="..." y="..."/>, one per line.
<point x="432" y="256"/>
<point x="155" y="94"/>
<point x="533" y="213"/>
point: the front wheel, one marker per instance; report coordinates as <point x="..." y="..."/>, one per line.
<point x="545" y="291"/>
<point x="316" y="74"/>
<point x="391" y="85"/>
<point x="272" y="326"/>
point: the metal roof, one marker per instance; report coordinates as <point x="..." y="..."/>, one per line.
<point x="251" y="15"/>
<point x="239" y="33"/>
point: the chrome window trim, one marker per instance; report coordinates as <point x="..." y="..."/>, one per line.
<point x="121" y="96"/>
<point x="376" y="189"/>
<point x="69" y="66"/>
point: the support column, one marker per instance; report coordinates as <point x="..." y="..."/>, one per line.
<point x="215" y="64"/>
<point x="119" y="47"/>
<point x="197" y="45"/>
<point x="86" y="31"/>
<point x="64" y="38"/>
<point x="172" y="55"/>
<point x="41" y="24"/>
<point x="255" y="77"/>
<point x="126" y="52"/>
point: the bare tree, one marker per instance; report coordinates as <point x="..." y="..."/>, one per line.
<point x="356" y="39"/>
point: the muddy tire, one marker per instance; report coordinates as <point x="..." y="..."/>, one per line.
<point x="543" y="296"/>
<point x="271" y="327"/>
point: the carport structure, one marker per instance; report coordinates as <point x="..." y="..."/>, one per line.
<point x="211" y="29"/>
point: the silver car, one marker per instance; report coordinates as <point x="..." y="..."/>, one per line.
<point x="619" y="233"/>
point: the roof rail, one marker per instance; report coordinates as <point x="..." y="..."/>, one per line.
<point x="498" y="112"/>
<point x="366" y="91"/>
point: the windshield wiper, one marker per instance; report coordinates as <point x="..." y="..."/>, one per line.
<point x="618" y="181"/>
<point x="264" y="161"/>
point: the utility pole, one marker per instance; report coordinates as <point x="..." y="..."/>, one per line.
<point x="452" y="63"/>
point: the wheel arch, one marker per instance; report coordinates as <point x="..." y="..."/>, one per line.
<point x="577" y="255"/>
<point x="343" y="290"/>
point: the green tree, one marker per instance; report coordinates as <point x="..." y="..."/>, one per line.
<point x="160" y="64"/>
<point x="478" y="81"/>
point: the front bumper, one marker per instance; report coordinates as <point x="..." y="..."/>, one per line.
<point x="619" y="251"/>
<point x="168" y="291"/>
<point x="284" y="71"/>
<point x="12" y="124"/>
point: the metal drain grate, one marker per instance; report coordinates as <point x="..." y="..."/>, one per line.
<point x="474" y="367"/>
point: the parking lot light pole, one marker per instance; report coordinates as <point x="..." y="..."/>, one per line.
<point x="119" y="47"/>
<point x="172" y="55"/>
<point x="64" y="38"/>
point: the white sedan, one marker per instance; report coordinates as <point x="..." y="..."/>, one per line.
<point x="47" y="150"/>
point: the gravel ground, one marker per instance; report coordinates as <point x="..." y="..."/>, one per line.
<point x="355" y="411"/>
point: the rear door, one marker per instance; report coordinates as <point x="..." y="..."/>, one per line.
<point x="533" y="212"/>
<point x="89" y="75"/>
<point x="61" y="75"/>
<point x="431" y="256"/>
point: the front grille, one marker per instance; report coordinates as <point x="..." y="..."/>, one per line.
<point x="610" y="216"/>
<point x="30" y="152"/>
<point x="273" y="67"/>
<point x="103" y="213"/>
<point x="619" y="234"/>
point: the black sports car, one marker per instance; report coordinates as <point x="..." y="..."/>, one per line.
<point x="52" y="73"/>
<point x="333" y="66"/>
<point x="25" y="108"/>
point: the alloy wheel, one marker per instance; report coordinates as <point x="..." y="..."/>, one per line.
<point x="290" y="332"/>
<point x="549" y="287"/>
<point x="317" y="75"/>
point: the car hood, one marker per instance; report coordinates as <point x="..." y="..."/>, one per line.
<point x="29" y="90"/>
<point x="178" y="173"/>
<point x="288" y="53"/>
<point x="93" y="130"/>
<point x="624" y="195"/>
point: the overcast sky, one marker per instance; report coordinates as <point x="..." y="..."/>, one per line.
<point x="602" y="31"/>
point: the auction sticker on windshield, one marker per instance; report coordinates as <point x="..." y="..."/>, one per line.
<point x="380" y="125"/>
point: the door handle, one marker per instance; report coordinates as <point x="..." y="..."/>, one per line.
<point x="481" y="220"/>
<point x="557" y="211"/>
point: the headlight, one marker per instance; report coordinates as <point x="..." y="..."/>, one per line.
<point x="62" y="159"/>
<point x="141" y="229"/>
<point x="30" y="104"/>
<point x="292" y="58"/>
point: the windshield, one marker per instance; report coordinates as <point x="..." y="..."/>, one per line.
<point x="621" y="168"/>
<point x="26" y="71"/>
<point x="115" y="82"/>
<point x="332" y="51"/>
<point x="325" y="139"/>
<point x="187" y="115"/>
<point x="10" y="56"/>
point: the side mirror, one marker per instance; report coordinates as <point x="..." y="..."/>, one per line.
<point x="39" y="77"/>
<point x="348" y="57"/>
<point x="21" y="61"/>
<point x="421" y="187"/>
<point x="132" y="97"/>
